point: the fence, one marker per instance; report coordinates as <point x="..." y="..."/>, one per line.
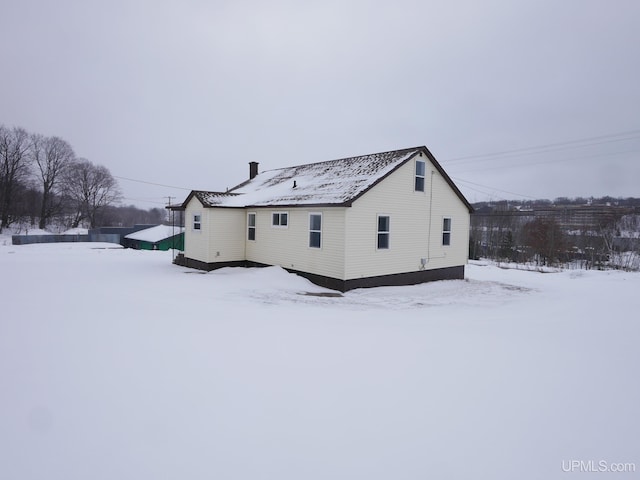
<point x="92" y="237"/>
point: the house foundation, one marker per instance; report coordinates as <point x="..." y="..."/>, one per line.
<point x="395" y="280"/>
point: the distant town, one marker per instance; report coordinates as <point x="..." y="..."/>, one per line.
<point x="589" y="231"/>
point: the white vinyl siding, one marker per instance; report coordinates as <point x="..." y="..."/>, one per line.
<point x="221" y="235"/>
<point x="226" y="241"/>
<point x="289" y="247"/>
<point x="416" y="226"/>
<point x="445" y="205"/>
<point x="196" y="241"/>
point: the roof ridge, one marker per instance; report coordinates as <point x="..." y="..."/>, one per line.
<point x="398" y="151"/>
<point x="213" y="192"/>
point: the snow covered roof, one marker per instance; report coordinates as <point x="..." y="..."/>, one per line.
<point x="213" y="198"/>
<point x="334" y="182"/>
<point x="155" y="234"/>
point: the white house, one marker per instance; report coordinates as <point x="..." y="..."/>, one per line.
<point x="391" y="218"/>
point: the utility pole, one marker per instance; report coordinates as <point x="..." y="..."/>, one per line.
<point x="173" y="229"/>
<point x="169" y="204"/>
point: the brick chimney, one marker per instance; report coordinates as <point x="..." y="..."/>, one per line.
<point x="253" y="169"/>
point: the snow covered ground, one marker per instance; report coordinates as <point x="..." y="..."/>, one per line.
<point x="115" y="364"/>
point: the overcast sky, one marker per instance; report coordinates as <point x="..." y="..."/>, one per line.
<point x="186" y="93"/>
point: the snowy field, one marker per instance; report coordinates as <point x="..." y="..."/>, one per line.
<point x="115" y="364"/>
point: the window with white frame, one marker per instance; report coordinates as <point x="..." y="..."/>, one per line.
<point x="383" y="232"/>
<point x="446" y="231"/>
<point x="197" y="221"/>
<point x="315" y="230"/>
<point x="279" y="219"/>
<point x="421" y="169"/>
<point x="251" y="226"/>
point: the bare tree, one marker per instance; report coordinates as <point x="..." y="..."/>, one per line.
<point x="128" y="215"/>
<point x="90" y="188"/>
<point x="76" y="184"/>
<point x="545" y="238"/>
<point x="52" y="156"/>
<point x="14" y="168"/>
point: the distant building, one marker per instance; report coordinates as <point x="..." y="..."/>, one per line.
<point x="582" y="217"/>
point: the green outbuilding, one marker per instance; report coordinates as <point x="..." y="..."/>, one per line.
<point x="160" y="237"/>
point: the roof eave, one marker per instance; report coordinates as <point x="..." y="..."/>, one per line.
<point x="448" y="179"/>
<point x="194" y="193"/>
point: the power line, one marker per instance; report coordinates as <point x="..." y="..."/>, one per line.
<point x="550" y="147"/>
<point x="151" y="183"/>
<point x="143" y="200"/>
<point x="543" y="162"/>
<point x="522" y="165"/>
<point x="540" y="152"/>
<point x="491" y="188"/>
<point x="491" y="194"/>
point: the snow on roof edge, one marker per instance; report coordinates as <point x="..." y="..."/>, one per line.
<point x="155" y="234"/>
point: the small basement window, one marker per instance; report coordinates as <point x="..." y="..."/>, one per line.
<point x="280" y="219"/>
<point x="446" y="231"/>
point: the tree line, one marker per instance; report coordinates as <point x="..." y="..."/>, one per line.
<point x="596" y="234"/>
<point x="43" y="181"/>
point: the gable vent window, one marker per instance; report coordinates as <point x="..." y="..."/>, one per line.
<point x="420" y="172"/>
<point x="315" y="230"/>
<point x="446" y="231"/>
<point x="383" y="232"/>
<point x="251" y="226"/>
<point x="279" y="219"/>
<point x="197" y="222"/>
